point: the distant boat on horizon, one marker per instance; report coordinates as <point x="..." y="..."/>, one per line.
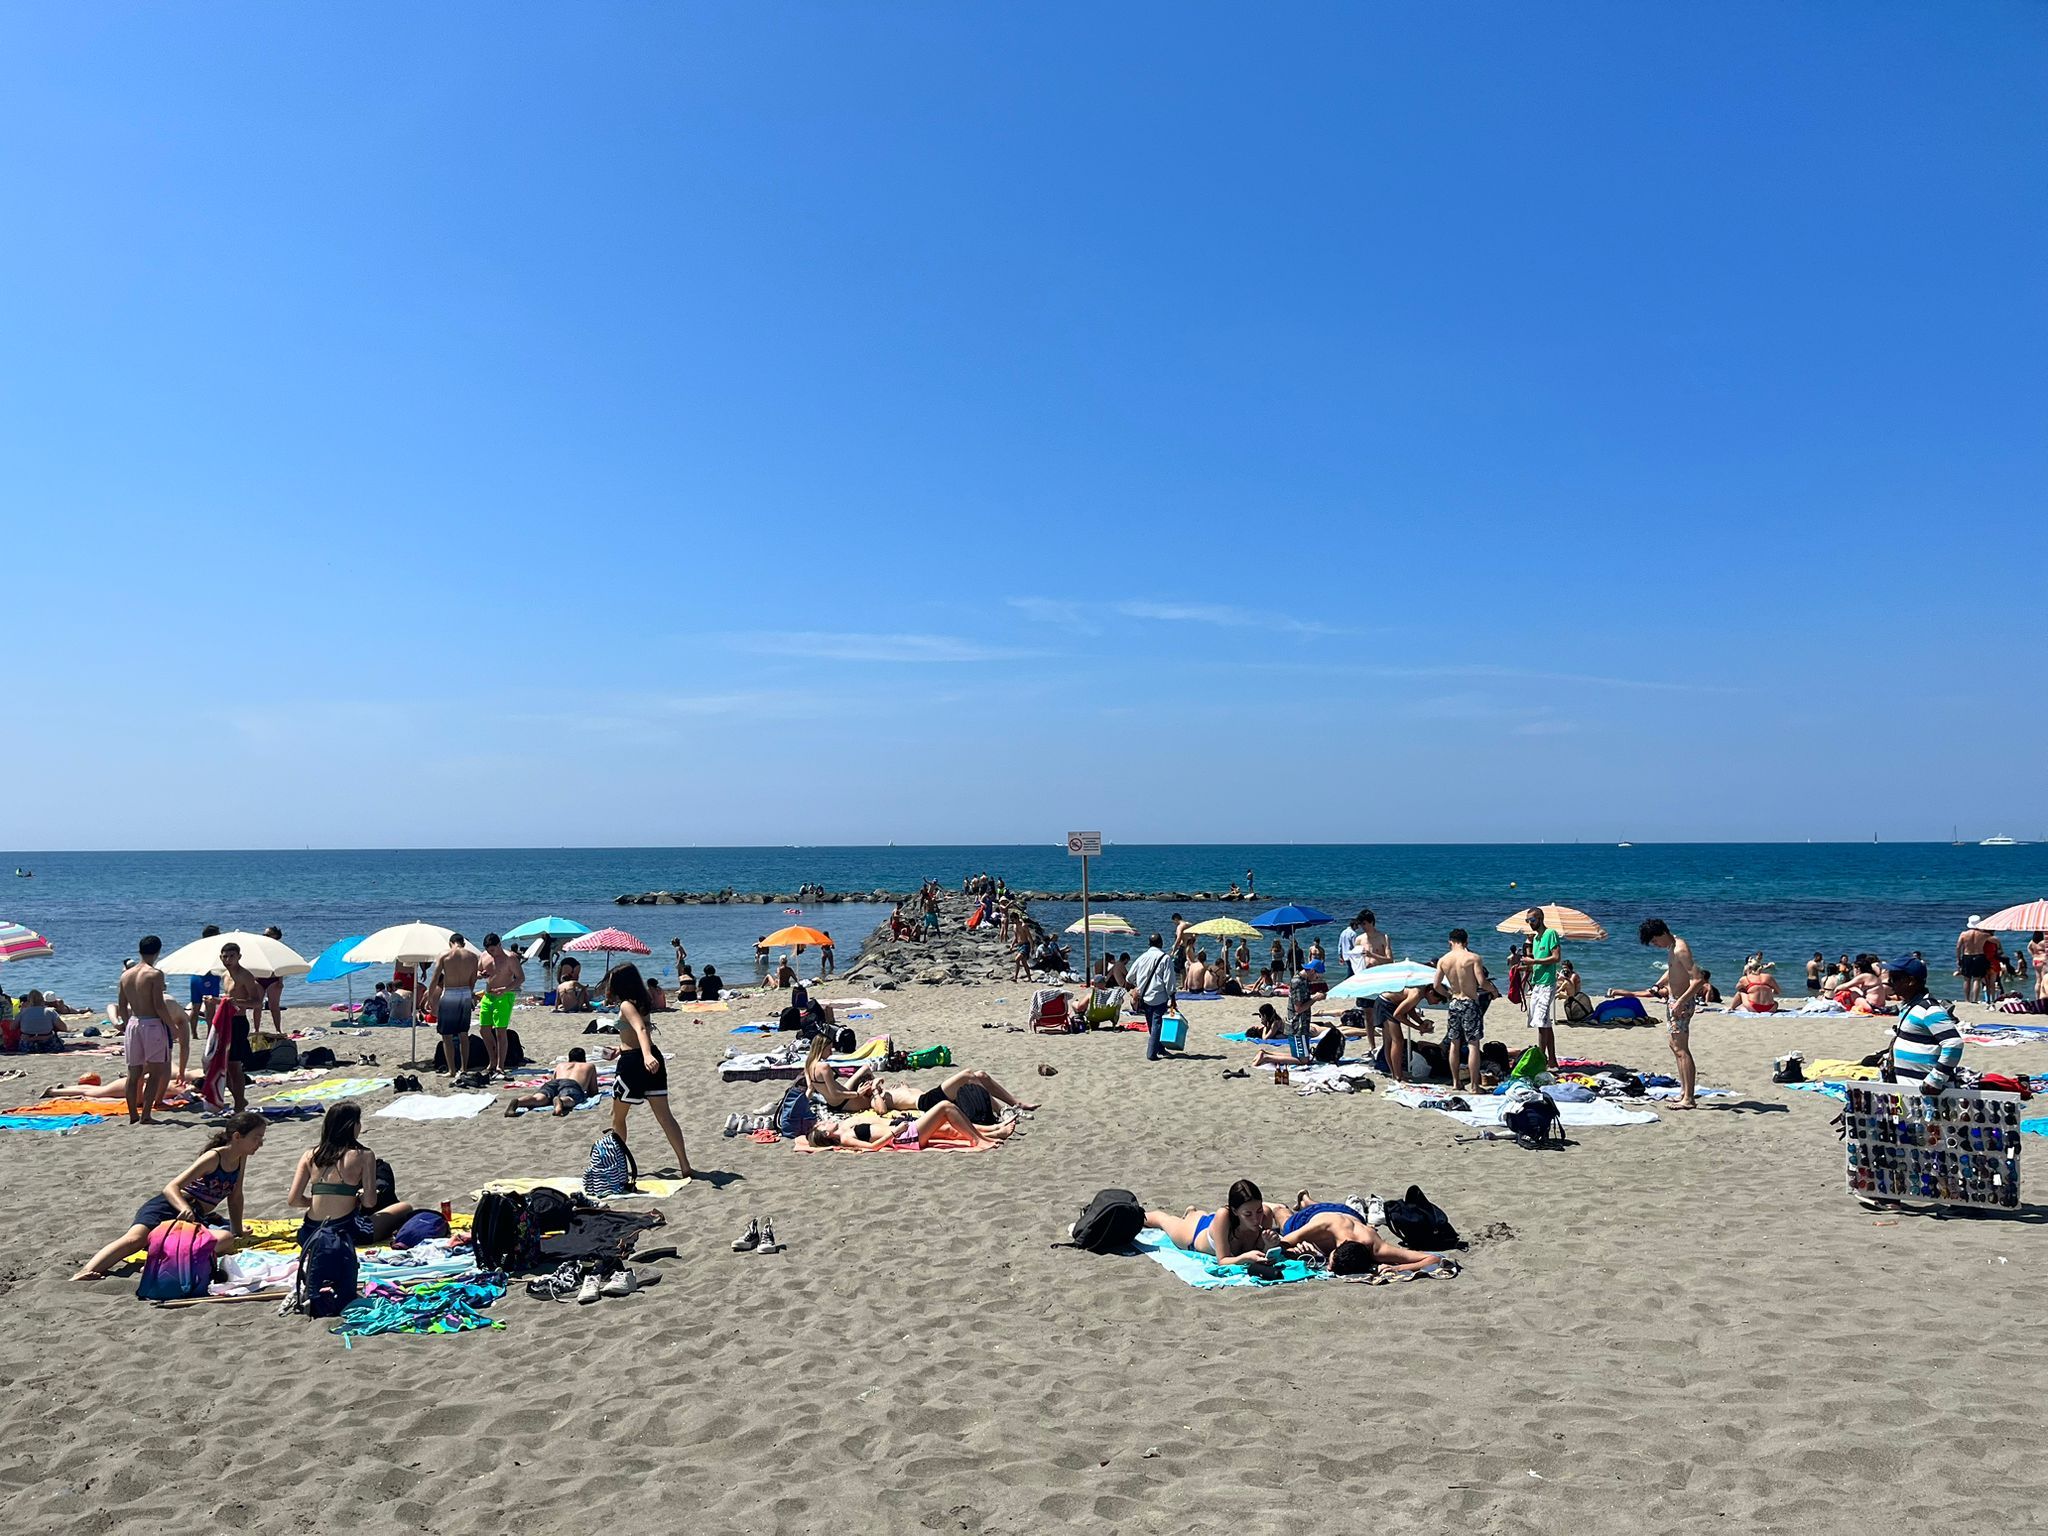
<point x="1624" y="845"/>
<point x="2001" y="841"/>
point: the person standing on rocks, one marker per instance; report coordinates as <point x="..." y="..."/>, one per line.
<point x="1152" y="985"/>
<point x="1183" y="945"/>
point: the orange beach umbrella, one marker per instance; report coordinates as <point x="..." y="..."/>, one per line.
<point x="793" y="937"/>
<point x="1569" y="922"/>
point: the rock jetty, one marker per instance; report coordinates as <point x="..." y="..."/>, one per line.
<point x="955" y="954"/>
<point x="731" y="898"/>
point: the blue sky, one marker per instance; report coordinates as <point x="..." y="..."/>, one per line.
<point x="734" y="423"/>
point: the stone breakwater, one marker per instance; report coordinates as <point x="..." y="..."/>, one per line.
<point x="827" y="898"/>
<point x="956" y="953"/>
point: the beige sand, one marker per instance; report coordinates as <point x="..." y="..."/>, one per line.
<point x="1695" y="1329"/>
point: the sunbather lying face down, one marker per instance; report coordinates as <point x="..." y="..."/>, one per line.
<point x="1239" y="1233"/>
<point x="918" y="1131"/>
<point x="1331" y="1231"/>
<point x="992" y="1092"/>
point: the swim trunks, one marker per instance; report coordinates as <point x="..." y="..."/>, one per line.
<point x="451" y="1014"/>
<point x="1308" y="1213"/>
<point x="570" y="1092"/>
<point x="1680" y="1020"/>
<point x="637" y="1081"/>
<point x="1542" y="998"/>
<point x="1974" y="967"/>
<point x="496" y="1012"/>
<point x="1468" y="1023"/>
<point x="146" y="1043"/>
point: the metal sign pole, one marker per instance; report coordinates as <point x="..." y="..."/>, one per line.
<point x="1087" y="933"/>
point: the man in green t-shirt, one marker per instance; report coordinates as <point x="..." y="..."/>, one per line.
<point x="1542" y="982"/>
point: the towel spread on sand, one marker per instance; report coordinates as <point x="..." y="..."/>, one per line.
<point x="1486" y="1110"/>
<point x="942" y="1138"/>
<point x="333" y="1088"/>
<point x="1205" y="1274"/>
<point x="99" y="1109"/>
<point x="12" y="1122"/>
<point x="687" y="1006"/>
<point x="1839" y="1071"/>
<point x="852" y="1002"/>
<point x="421" y="1106"/>
<point x="572" y="1184"/>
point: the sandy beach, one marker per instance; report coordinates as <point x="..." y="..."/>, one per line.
<point x="1693" y="1327"/>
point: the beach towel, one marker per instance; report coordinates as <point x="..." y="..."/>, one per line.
<point x="759" y="1066"/>
<point x="1487" y="1109"/>
<point x="2038" y="1126"/>
<point x="332" y="1089"/>
<point x="944" y="1138"/>
<point x="421" y="1106"/>
<point x="758" y="1027"/>
<point x="572" y="1184"/>
<point x="694" y="1007"/>
<point x="857" y="1002"/>
<point x="1205" y="1274"/>
<point x="213" y="1080"/>
<point x="17" y="1122"/>
<point x="1839" y="1071"/>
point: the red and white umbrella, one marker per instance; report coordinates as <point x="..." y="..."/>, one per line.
<point x="2027" y="917"/>
<point x="607" y="942"/>
<point x="19" y="943"/>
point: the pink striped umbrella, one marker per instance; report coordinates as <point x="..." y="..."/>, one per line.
<point x="607" y="942"/>
<point x="19" y="943"/>
<point x="2027" y="917"/>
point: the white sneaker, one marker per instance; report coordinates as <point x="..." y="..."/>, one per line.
<point x="732" y="1125"/>
<point x="588" y="1292"/>
<point x="620" y="1284"/>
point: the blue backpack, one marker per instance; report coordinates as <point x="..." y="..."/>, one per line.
<point x="611" y="1169"/>
<point x="327" y="1269"/>
<point x="796" y="1114"/>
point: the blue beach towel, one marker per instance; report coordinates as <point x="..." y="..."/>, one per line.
<point x="1205" y="1274"/>
<point x="46" y="1122"/>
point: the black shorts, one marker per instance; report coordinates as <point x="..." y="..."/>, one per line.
<point x="1974" y="967"/>
<point x="452" y="1015"/>
<point x="637" y="1081"/>
<point x="239" y="1051"/>
<point x="930" y="1098"/>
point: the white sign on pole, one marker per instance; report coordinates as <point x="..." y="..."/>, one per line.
<point x="1085" y="845"/>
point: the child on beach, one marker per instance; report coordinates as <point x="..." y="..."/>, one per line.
<point x="193" y="1195"/>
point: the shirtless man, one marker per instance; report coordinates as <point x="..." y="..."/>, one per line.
<point x="1682" y="980"/>
<point x="575" y="1081"/>
<point x="1463" y="974"/>
<point x="504" y="975"/>
<point x="2037" y="952"/>
<point x="1368" y="946"/>
<point x="145" y="1015"/>
<point x="454" y="976"/>
<point x="1404" y="1015"/>
<point x="1328" y="1231"/>
<point x="1970" y="962"/>
<point x="1183" y="945"/>
<point x="244" y="1002"/>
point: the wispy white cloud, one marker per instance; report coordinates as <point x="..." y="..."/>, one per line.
<point x="1224" y="616"/>
<point x="822" y="645"/>
<point x="1058" y="611"/>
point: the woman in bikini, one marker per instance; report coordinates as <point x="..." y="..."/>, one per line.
<point x="866" y="1134"/>
<point x="642" y="1074"/>
<point x="975" y="1092"/>
<point x="1239" y="1233"/>
<point x="337" y="1182"/>
<point x="848" y="1097"/>
<point x="193" y="1195"/>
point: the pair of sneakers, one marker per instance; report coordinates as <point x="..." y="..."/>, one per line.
<point x="758" y="1238"/>
<point x="586" y="1286"/>
<point x="747" y="1125"/>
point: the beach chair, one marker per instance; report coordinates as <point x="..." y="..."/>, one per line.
<point x="1104" y="1007"/>
<point x="1052" y="1012"/>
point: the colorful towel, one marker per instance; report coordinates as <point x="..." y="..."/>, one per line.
<point x="440" y="1306"/>
<point x="12" y="1122"/>
<point x="423" y="1106"/>
<point x="332" y="1089"/>
<point x="1205" y="1274"/>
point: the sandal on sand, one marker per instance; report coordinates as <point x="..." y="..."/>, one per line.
<point x="1238" y="1072"/>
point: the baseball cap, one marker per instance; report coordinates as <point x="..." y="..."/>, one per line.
<point x="1909" y="965"/>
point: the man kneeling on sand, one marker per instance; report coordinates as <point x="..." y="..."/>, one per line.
<point x="574" y="1082"/>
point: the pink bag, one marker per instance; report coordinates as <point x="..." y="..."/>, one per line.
<point x="180" y="1262"/>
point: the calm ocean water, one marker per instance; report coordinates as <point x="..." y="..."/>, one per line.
<point x="1728" y="899"/>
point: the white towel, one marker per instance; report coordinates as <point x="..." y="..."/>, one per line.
<point x="422" y="1106"/>
<point x="1486" y="1109"/>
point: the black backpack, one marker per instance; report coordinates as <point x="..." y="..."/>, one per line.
<point x="1108" y="1222"/>
<point x="1329" y="1046"/>
<point x="549" y="1210"/>
<point x="502" y="1233"/>
<point x="1535" y="1121"/>
<point x="327" y="1269"/>
<point x="1420" y="1224"/>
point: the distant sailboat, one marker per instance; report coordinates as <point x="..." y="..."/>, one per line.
<point x="24" y="874"/>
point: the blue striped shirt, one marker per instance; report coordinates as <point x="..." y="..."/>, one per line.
<point x="1927" y="1045"/>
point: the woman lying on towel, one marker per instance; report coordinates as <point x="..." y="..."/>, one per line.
<point x="193" y="1195"/>
<point x="1239" y="1233"/>
<point x="337" y="1182"/>
<point x="942" y="1122"/>
<point x="976" y="1094"/>
<point x="1350" y="1244"/>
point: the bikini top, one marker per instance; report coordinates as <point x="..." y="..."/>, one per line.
<point x="213" y="1186"/>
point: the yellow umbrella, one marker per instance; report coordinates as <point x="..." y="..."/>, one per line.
<point x="1100" y="922"/>
<point x="1569" y="922"/>
<point x="794" y="937"/>
<point x="1227" y="928"/>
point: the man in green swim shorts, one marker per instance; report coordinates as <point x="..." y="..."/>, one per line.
<point x="504" y="974"/>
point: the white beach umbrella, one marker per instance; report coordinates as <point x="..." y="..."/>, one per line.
<point x="403" y="944"/>
<point x="261" y="956"/>
<point x="1380" y="980"/>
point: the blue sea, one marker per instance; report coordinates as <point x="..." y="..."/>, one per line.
<point x="1728" y="899"/>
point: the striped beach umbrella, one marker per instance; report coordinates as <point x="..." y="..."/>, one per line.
<point x="19" y="943"/>
<point x="606" y="942"/>
<point x="2027" y="917"/>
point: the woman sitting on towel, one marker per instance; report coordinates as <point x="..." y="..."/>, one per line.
<point x="1757" y="992"/>
<point x="1239" y="1233"/>
<point x="1349" y="1242"/>
<point x="822" y="1079"/>
<point x="869" y="1135"/>
<point x="193" y="1195"/>
<point x="337" y="1182"/>
<point x="976" y="1093"/>
<point x="1269" y="1025"/>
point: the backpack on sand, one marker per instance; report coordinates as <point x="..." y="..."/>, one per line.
<point x="180" y="1262"/>
<point x="611" y="1169"/>
<point x="1108" y="1223"/>
<point x="1534" y="1119"/>
<point x="1419" y="1223"/>
<point x="328" y="1269"/>
<point x="796" y="1114"/>
<point x="503" y="1234"/>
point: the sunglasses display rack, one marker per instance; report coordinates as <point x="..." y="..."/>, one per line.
<point x="1962" y="1148"/>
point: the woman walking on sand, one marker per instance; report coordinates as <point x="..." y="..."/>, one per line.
<point x="642" y="1074"/>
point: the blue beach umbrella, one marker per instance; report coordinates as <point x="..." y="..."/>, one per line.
<point x="333" y="964"/>
<point x="1381" y="980"/>
<point x="548" y="928"/>
<point x="1288" y="918"/>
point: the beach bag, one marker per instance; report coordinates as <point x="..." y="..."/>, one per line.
<point x="1578" y="1008"/>
<point x="1329" y="1046"/>
<point x="503" y="1234"/>
<point x="550" y="1210"/>
<point x="180" y="1262"/>
<point x="284" y="1057"/>
<point x="1534" y="1119"/>
<point x="1419" y="1223"/>
<point x="375" y="1010"/>
<point x="319" y="1056"/>
<point x="610" y="1169"/>
<point x="420" y="1227"/>
<point x="796" y="1114"/>
<point x="928" y="1056"/>
<point x="327" y="1268"/>
<point x="1532" y="1063"/>
<point x="1108" y="1223"/>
